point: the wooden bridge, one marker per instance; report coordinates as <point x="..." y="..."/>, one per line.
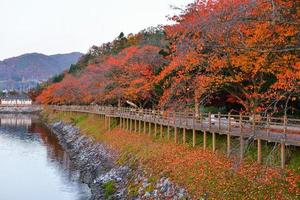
<point x="284" y="131"/>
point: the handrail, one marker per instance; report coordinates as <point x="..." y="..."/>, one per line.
<point x="208" y="120"/>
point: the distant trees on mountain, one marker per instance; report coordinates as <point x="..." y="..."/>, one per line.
<point x="24" y="70"/>
<point x="241" y="54"/>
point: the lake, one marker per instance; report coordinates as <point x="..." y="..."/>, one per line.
<point x="33" y="164"/>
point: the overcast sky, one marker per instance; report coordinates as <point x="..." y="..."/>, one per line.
<point x="61" y="26"/>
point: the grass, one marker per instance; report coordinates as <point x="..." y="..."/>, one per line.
<point x="205" y="174"/>
<point x="109" y="189"/>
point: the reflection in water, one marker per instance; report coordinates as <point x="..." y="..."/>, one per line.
<point x="33" y="165"/>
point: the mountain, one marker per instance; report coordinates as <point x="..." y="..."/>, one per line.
<point x="26" y="70"/>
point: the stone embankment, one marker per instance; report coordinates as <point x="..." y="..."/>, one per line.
<point x="106" y="179"/>
<point x="20" y="109"/>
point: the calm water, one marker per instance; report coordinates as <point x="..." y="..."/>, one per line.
<point x="33" y="166"/>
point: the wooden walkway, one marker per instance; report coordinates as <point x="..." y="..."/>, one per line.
<point x="284" y="131"/>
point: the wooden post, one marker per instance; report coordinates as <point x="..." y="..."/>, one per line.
<point x="130" y="125"/>
<point x="282" y="154"/>
<point x="150" y="128"/>
<point x="228" y="144"/>
<point x="175" y="134"/>
<point x="184" y="136"/>
<point x="242" y="142"/>
<point x="155" y="129"/>
<point x="161" y="131"/>
<point x="242" y="147"/>
<point x="135" y="125"/>
<point x="194" y="131"/>
<point x="140" y="126"/>
<point x="127" y="124"/>
<point x="259" y="156"/>
<point x="194" y="137"/>
<point x="214" y="141"/>
<point x="106" y="122"/>
<point x="145" y="124"/>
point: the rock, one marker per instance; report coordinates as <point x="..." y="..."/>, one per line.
<point x="147" y="195"/>
<point x="96" y="165"/>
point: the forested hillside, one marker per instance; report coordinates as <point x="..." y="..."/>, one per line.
<point x="239" y="55"/>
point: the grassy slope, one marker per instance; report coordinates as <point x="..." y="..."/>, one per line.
<point x="203" y="173"/>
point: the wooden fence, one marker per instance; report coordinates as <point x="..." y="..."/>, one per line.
<point x="284" y="131"/>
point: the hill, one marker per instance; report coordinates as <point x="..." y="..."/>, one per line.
<point x="28" y="69"/>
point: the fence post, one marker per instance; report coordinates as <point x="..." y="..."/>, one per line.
<point x="228" y="144"/>
<point x="127" y="122"/>
<point x="184" y="128"/>
<point x="241" y="137"/>
<point x="131" y="124"/>
<point x="175" y="129"/>
<point x="214" y="141"/>
<point x="150" y="127"/>
<point x="140" y="125"/>
<point x="135" y="124"/>
<point x="109" y="124"/>
<point x="120" y="122"/>
<point x="259" y="155"/>
<point x="143" y="114"/>
<point x="194" y="131"/>
<point x="282" y="154"/>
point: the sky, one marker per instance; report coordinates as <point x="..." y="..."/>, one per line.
<point x="62" y="26"/>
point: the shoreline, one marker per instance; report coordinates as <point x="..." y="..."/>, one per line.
<point x="20" y="109"/>
<point x="106" y="179"/>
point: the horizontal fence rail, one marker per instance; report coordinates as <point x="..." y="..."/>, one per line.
<point x="284" y="131"/>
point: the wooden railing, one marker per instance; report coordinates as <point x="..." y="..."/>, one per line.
<point x="283" y="130"/>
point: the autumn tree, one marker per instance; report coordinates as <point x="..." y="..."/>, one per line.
<point x="132" y="75"/>
<point x="240" y="47"/>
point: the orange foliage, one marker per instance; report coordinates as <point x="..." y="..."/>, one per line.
<point x="203" y="172"/>
<point x="243" y="47"/>
<point x="248" y="50"/>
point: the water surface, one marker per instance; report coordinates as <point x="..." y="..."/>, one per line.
<point x="33" y="166"/>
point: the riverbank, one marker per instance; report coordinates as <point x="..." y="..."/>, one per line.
<point x="99" y="169"/>
<point x="203" y="173"/>
<point x="20" y="109"/>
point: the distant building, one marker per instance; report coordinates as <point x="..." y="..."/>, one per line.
<point x="15" y="100"/>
